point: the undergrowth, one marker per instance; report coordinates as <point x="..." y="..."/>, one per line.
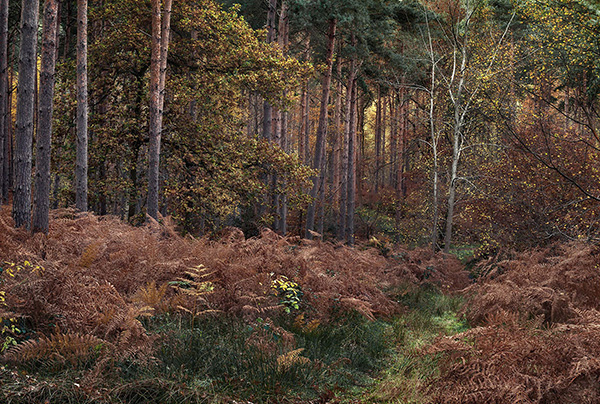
<point x="288" y="359"/>
<point x="411" y="368"/>
<point x="143" y="315"/>
<point x="264" y="361"/>
<point x="217" y="359"/>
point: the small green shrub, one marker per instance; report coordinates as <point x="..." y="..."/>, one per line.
<point x="8" y="325"/>
<point x="289" y="293"/>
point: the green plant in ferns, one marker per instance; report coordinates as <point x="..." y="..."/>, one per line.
<point x="289" y="293"/>
<point x="8" y="325"/>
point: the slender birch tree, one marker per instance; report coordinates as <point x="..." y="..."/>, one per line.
<point x="81" y="163"/>
<point x="161" y="26"/>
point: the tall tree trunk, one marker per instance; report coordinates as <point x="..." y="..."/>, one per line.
<point x="306" y="119"/>
<point x="7" y="181"/>
<point x="267" y="108"/>
<point x="360" y="152"/>
<point x="3" y="93"/>
<point x="434" y="141"/>
<point x="393" y="104"/>
<point x="68" y="31"/>
<point x="42" y="161"/>
<point x="350" y="210"/>
<point x="81" y="165"/>
<point x="283" y="41"/>
<point x="338" y="138"/>
<point x="452" y="194"/>
<point x="401" y="158"/>
<point x="460" y="109"/>
<point x="267" y="120"/>
<point x="161" y="26"/>
<point x="303" y="111"/>
<point x="25" y="113"/>
<point x="305" y="132"/>
<point x="267" y="130"/>
<point x="377" y="139"/>
<point x="343" y="203"/>
<point x="435" y="196"/>
<point x="384" y="118"/>
<point x="321" y="132"/>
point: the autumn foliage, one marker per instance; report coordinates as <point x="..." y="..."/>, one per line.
<point x="102" y="276"/>
<point x="536" y="332"/>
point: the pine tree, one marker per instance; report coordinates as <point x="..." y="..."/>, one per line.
<point x="48" y="63"/>
<point x="25" y="113"/>
<point x="3" y="93"/>
<point x="318" y="164"/>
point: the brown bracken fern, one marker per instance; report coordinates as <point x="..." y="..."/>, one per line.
<point x="60" y="348"/>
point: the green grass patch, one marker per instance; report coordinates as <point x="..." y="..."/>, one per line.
<point x="215" y="360"/>
<point x="408" y="370"/>
<point x="264" y="362"/>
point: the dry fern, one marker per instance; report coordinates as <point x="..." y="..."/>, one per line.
<point x="291" y="358"/>
<point x="153" y="296"/>
<point x="61" y="348"/>
<point x="90" y="254"/>
<point x="197" y="284"/>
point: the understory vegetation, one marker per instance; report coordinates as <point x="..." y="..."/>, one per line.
<point x="103" y="312"/>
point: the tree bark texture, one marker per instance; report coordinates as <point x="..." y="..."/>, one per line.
<point x="352" y="162"/>
<point x="341" y="228"/>
<point x="337" y="138"/>
<point x="393" y="104"/>
<point x="267" y="108"/>
<point x="42" y="161"/>
<point x="283" y="42"/>
<point x="81" y="163"/>
<point x="7" y="181"/>
<point x="161" y="26"/>
<point x="25" y="113"/>
<point x="3" y="92"/>
<point x="321" y="132"/>
<point x="305" y="134"/>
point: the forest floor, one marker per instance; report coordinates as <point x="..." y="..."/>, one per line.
<point x="102" y="312"/>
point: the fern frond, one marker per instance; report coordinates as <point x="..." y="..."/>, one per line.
<point x="292" y="358"/>
<point x="152" y="296"/>
<point x="197" y="283"/>
<point x="63" y="348"/>
<point x="90" y="254"/>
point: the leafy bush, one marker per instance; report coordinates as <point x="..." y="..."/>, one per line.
<point x="289" y="293"/>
